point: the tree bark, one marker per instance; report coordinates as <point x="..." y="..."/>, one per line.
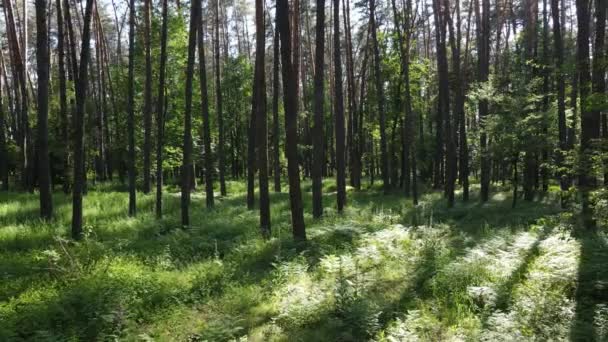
<point x="186" y="172"/>
<point x="483" y="34"/>
<point x="81" y="94"/>
<point x="209" y="200"/>
<point x="147" y="97"/>
<point x="318" y="135"/>
<point x="131" y="110"/>
<point x="275" y="110"/>
<point x="218" y="92"/>
<point x="339" y="113"/>
<point x="291" y="121"/>
<point x="160" y="110"/>
<point x="262" y="124"/>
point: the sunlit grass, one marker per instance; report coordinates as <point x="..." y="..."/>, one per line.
<point x="382" y="270"/>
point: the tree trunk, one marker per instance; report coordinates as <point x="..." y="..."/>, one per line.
<point x="218" y="93"/>
<point x="590" y="123"/>
<point x="275" y="111"/>
<point x="291" y="120"/>
<point x="42" y="61"/>
<point x="131" y="111"/>
<point x="186" y="172"/>
<point x="483" y="34"/>
<point x="318" y="135"/>
<point x="262" y="124"/>
<point x="599" y="70"/>
<point x="339" y="113"/>
<point x="160" y="111"/>
<point x="209" y="200"/>
<point x="81" y="94"/>
<point x="3" y="137"/>
<point x="147" y="96"/>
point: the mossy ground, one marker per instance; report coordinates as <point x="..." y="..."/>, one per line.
<point x="383" y="270"/>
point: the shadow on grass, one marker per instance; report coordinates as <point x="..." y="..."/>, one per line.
<point x="591" y="293"/>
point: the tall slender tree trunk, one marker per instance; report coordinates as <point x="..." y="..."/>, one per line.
<point x="81" y="95"/>
<point x="131" y="110"/>
<point x="380" y="95"/>
<point x="275" y="110"/>
<point x="63" y="102"/>
<point x="218" y="92"/>
<point x="206" y="119"/>
<point x="262" y="123"/>
<point x="3" y="136"/>
<point x="186" y="171"/>
<point x="339" y="113"/>
<point x="160" y="111"/>
<point x="590" y="120"/>
<point x="599" y="70"/>
<point x="318" y="135"/>
<point x="291" y="120"/>
<point x="483" y="36"/>
<point x="147" y="97"/>
<point x="42" y="60"/>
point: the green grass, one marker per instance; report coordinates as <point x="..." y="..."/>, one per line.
<point x="383" y="270"/>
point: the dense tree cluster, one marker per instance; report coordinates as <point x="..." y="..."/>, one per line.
<point x="418" y="94"/>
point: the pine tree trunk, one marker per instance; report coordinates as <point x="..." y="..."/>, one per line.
<point x="339" y="113"/>
<point x="262" y="124"/>
<point x="318" y="134"/>
<point x="186" y="170"/>
<point x="131" y="111"/>
<point x="42" y="61"/>
<point x="160" y="108"/>
<point x="147" y="97"/>
<point x="275" y="111"/>
<point x="81" y="94"/>
<point x="291" y="121"/>
<point x="209" y="200"/>
<point x="483" y="34"/>
<point x="218" y="92"/>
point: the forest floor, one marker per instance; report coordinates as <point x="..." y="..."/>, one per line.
<point x="383" y="270"/>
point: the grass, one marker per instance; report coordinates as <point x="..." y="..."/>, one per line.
<point x="383" y="270"/>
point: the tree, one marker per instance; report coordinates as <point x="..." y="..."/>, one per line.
<point x="147" y="97"/>
<point x="483" y="46"/>
<point x="339" y="113"/>
<point x="261" y="125"/>
<point x="275" y="109"/>
<point x="81" y="94"/>
<point x="131" y="110"/>
<point x="590" y="123"/>
<point x="206" y="120"/>
<point x="63" y="102"/>
<point x="379" y="95"/>
<point x="291" y="120"/>
<point x="186" y="170"/>
<point x="599" y="71"/>
<point x="160" y="113"/>
<point x="318" y="138"/>
<point x="42" y="61"/>
<point x="3" y="140"/>
<point x="218" y="92"/>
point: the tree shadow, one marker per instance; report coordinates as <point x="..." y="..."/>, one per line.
<point x="591" y="293"/>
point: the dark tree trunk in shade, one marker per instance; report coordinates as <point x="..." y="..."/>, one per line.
<point x="339" y="113"/>
<point x="291" y="121"/>
<point x="63" y="101"/>
<point x="186" y="170"/>
<point x="160" y="112"/>
<point x="3" y="136"/>
<point x="590" y="120"/>
<point x="318" y="135"/>
<point x="599" y="69"/>
<point x="42" y="61"/>
<point x="483" y="46"/>
<point x="81" y="94"/>
<point x="147" y="97"/>
<point x="209" y="200"/>
<point x="275" y="111"/>
<point x="262" y="123"/>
